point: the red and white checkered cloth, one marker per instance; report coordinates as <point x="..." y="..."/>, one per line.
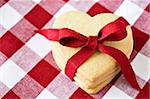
<point x="27" y="68"/>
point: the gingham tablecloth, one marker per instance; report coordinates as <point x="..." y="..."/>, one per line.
<point x="27" y="68"/>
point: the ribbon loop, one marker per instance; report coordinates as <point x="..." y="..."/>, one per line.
<point x="114" y="31"/>
<point x="71" y="38"/>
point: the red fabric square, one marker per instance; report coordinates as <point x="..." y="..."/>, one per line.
<point x="144" y="93"/>
<point x="97" y="9"/>
<point x="148" y="8"/>
<point x="80" y="93"/>
<point x="38" y="16"/>
<point x="11" y="95"/>
<point x="66" y="0"/>
<point x="44" y="73"/>
<point x="50" y="59"/>
<point x="140" y="38"/>
<point x="133" y="55"/>
<point x="2" y="2"/>
<point x="9" y="44"/>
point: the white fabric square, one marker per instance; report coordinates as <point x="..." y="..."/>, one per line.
<point x="10" y="73"/>
<point x="2" y="30"/>
<point x="45" y="94"/>
<point x="9" y="16"/>
<point x="40" y="45"/>
<point x="67" y="7"/>
<point x="129" y="11"/>
<point x="115" y="93"/>
<point x="95" y="0"/>
<point x="141" y="66"/>
<point x="37" y="1"/>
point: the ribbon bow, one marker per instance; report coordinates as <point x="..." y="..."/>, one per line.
<point x="113" y="31"/>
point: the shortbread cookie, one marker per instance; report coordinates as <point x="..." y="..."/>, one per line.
<point x="99" y="63"/>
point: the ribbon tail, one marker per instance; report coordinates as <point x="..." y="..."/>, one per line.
<point x="76" y="60"/>
<point x="51" y="34"/>
<point x="123" y="62"/>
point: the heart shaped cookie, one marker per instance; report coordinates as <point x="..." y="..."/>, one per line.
<point x="100" y="68"/>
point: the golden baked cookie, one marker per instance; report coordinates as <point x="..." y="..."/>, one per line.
<point x="100" y="68"/>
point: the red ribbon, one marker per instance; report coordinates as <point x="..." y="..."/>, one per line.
<point x="113" y="31"/>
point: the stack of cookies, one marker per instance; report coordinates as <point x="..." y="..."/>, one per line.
<point x="100" y="68"/>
